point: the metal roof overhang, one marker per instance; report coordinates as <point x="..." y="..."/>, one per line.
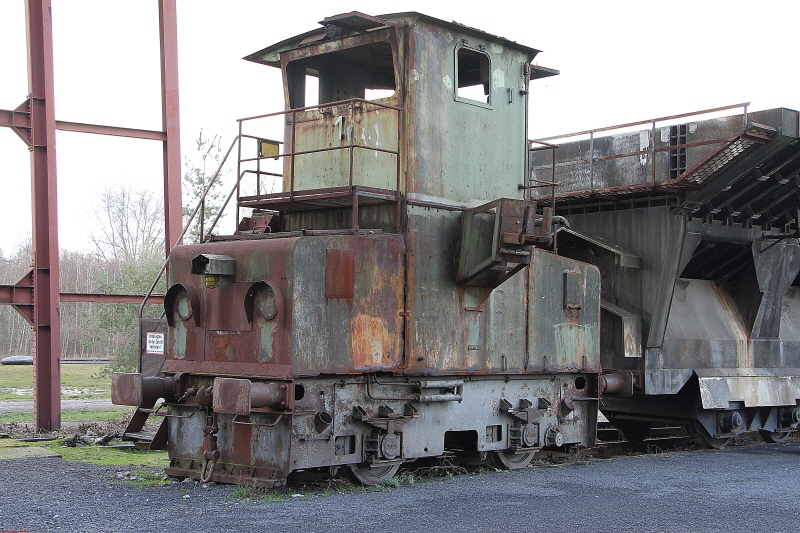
<point x="363" y="23"/>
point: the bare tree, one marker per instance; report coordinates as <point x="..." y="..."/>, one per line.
<point x="128" y="226"/>
<point x="197" y="177"/>
<point x="15" y="332"/>
<point x="128" y="237"/>
<point x="129" y="250"/>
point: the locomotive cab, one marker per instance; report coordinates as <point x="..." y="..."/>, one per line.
<point x="399" y="295"/>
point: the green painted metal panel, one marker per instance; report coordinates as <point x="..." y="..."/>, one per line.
<point x="564" y="311"/>
<point x="465" y="153"/>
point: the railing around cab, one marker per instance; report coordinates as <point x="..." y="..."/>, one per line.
<point x="351" y="194"/>
<point x="323" y="128"/>
<point x="536" y="183"/>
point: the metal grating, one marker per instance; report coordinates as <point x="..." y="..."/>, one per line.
<point x="319" y="199"/>
<point x="704" y="170"/>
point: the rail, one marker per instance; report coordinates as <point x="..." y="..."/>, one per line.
<point x="535" y="183"/>
<point x="652" y="151"/>
<point x="186" y="226"/>
<point x="293" y="196"/>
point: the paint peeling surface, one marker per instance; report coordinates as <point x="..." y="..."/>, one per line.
<point x="562" y="337"/>
<point x="221" y="333"/>
<point x="367" y="127"/>
<point x="459" y="149"/>
<point x="343" y="335"/>
<point x="751" y="391"/>
<point x="499" y="79"/>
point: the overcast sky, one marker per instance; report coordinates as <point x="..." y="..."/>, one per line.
<point x="619" y="62"/>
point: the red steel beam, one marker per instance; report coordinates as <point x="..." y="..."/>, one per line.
<point x="110" y="130"/>
<point x="14" y="119"/>
<point x="23" y="297"/>
<point x="46" y="325"/>
<point x="20" y="120"/>
<point x="173" y="208"/>
<point x="34" y="121"/>
<point x="110" y="298"/>
<point x="20" y="296"/>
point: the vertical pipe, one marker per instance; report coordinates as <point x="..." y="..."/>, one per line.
<point x="653" y="151"/>
<point x="591" y="162"/>
<point x="170" y="117"/>
<point x="400" y="119"/>
<point x="553" y="196"/>
<point x="46" y="324"/>
<point x="354" y="211"/>
<point x="238" y="174"/>
<point x="527" y="192"/>
<point x="291" y="169"/>
<point x="258" y="170"/>
<point x="353" y="123"/>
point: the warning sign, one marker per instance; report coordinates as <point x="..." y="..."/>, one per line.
<point x="155" y="343"/>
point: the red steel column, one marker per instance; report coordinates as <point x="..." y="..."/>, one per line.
<point x="173" y="205"/>
<point x="46" y="326"/>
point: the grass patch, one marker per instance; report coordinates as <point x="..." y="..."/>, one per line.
<point x="75" y="379"/>
<point x="12" y="443"/>
<point x="402" y="479"/>
<point x="67" y="416"/>
<point x="104" y="456"/>
<point x="110" y="456"/>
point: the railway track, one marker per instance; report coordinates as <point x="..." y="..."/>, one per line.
<point x="609" y="445"/>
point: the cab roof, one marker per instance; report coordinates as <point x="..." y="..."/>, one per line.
<point x="359" y="22"/>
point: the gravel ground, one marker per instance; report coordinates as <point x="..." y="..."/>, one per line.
<point x="751" y="488"/>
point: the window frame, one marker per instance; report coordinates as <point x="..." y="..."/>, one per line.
<point x="386" y="36"/>
<point x="477" y="50"/>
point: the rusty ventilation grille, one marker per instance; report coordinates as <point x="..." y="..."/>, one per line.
<point x="702" y="171"/>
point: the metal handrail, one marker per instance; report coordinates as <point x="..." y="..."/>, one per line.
<point x="652" y="151"/>
<point x="648" y="121"/>
<point x="350" y="146"/>
<point x="225" y="203"/>
<point x="541" y="183"/>
<point x="292" y="154"/>
<point x="186" y="227"/>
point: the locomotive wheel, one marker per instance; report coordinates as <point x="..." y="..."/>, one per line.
<point x="510" y="460"/>
<point x="633" y="430"/>
<point x="366" y="475"/>
<point x="773" y="436"/>
<point x="699" y="432"/>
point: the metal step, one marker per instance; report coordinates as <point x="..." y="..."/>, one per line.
<point x="143" y="437"/>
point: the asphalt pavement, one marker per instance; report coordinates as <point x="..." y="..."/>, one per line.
<point x="740" y="489"/>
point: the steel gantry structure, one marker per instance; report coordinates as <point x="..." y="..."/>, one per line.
<point x="37" y="295"/>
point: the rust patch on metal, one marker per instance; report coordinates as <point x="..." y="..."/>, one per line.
<point x="339" y="273"/>
<point x="371" y="342"/>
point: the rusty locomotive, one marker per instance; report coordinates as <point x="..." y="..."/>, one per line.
<point x="399" y="296"/>
<point x="419" y="285"/>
